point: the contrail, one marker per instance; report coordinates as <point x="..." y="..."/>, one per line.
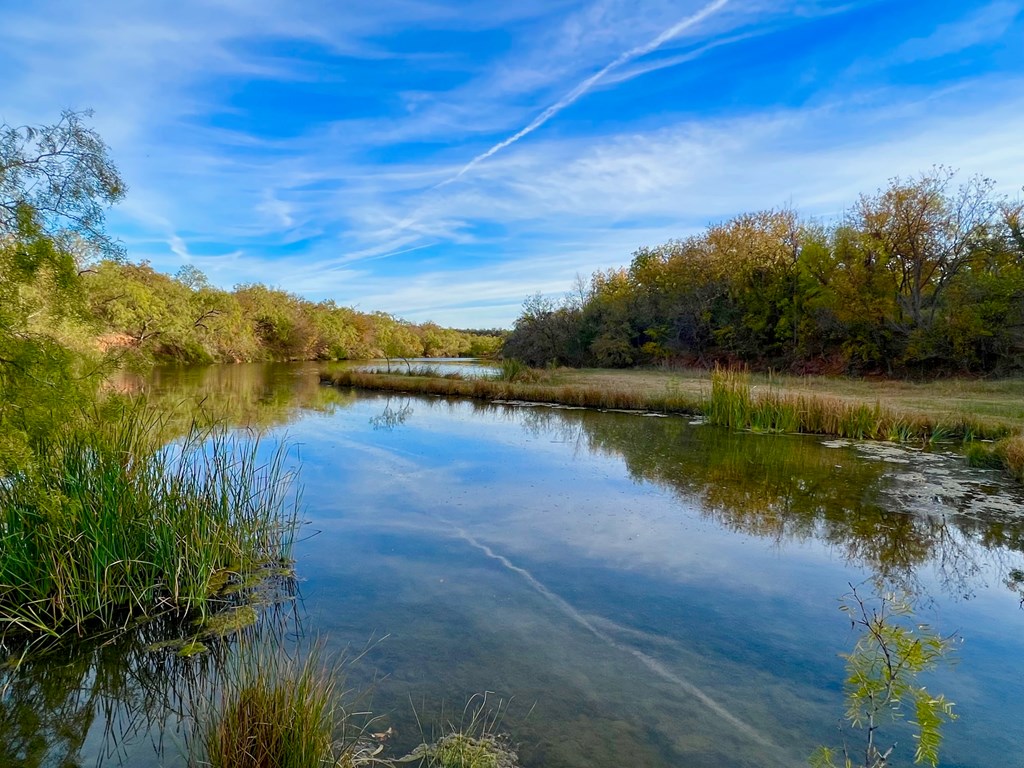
<point x="652" y="664"/>
<point x="585" y="86"/>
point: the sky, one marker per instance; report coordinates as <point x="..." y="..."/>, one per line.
<point x="445" y="160"/>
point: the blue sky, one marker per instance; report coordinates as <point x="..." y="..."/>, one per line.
<point x="444" y="160"/>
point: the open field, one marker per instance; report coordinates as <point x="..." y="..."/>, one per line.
<point x="998" y="402"/>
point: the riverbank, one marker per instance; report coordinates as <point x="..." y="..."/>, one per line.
<point x="987" y="416"/>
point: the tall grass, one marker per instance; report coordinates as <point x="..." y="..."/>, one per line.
<point x="1006" y="454"/>
<point x="271" y="711"/>
<point x="538" y="390"/>
<point x="734" y="404"/>
<point x="511" y="369"/>
<point x="107" y="525"/>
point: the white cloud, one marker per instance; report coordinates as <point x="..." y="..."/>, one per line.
<point x="986" y="25"/>
<point x="331" y="208"/>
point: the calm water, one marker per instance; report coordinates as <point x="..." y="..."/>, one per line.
<point x="648" y="592"/>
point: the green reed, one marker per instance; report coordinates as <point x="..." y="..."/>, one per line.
<point x="271" y="710"/>
<point x="107" y="525"/>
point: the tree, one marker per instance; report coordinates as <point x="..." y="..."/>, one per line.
<point x="63" y="175"/>
<point x="396" y="339"/>
<point x="55" y="183"/>
<point x="925" y="234"/>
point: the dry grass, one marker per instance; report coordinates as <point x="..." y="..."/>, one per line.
<point x="885" y="410"/>
<point x="897" y="411"/>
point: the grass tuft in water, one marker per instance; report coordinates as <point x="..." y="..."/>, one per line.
<point x="474" y="743"/>
<point x="109" y="526"/>
<point x="272" y="712"/>
<point x="1006" y="454"/>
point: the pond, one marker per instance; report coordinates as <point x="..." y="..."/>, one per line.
<point x="641" y="590"/>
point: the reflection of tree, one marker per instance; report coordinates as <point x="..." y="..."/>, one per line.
<point x="254" y="395"/>
<point x="51" y="700"/>
<point x="392" y="417"/>
<point x="131" y="687"/>
<point x="791" y="488"/>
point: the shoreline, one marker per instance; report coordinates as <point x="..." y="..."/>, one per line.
<point x="731" y="399"/>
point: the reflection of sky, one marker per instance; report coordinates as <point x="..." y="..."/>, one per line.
<point x="585" y="566"/>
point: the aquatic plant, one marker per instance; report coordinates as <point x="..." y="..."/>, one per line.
<point x="107" y="525"/>
<point x="1006" y="454"/>
<point x="475" y="742"/>
<point x="882" y="682"/>
<point x="271" y="711"/>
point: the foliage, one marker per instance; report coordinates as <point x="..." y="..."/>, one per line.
<point x="55" y="182"/>
<point x="922" y="277"/>
<point x="882" y="682"/>
<point x="61" y="174"/>
<point x="107" y="525"/>
<point x="150" y="316"/>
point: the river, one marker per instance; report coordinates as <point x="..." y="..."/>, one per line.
<point x="640" y="590"/>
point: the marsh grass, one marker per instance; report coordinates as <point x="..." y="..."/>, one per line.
<point x="1006" y="454"/>
<point x="735" y="404"/>
<point x="271" y="710"/>
<point x="544" y="389"/>
<point x="108" y="526"/>
<point x="733" y="401"/>
<point x="512" y="369"/>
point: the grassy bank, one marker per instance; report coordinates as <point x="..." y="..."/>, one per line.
<point x="952" y="410"/>
<point x="107" y="525"/>
<point x="543" y="390"/>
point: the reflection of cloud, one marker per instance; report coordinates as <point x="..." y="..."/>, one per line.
<point x="650" y="662"/>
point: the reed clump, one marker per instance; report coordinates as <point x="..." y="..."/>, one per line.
<point x="475" y="742"/>
<point x="107" y="526"/>
<point x="271" y="711"/>
<point x="1006" y="454"/>
<point x="734" y="403"/>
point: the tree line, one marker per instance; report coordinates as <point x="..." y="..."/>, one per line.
<point x="72" y="305"/>
<point x="183" y="318"/>
<point x="923" y="277"/>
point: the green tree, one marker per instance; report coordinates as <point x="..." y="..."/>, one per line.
<point x="55" y="184"/>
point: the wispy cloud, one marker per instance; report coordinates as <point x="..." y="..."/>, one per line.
<point x="586" y="85"/>
<point x="313" y="147"/>
<point x="983" y="25"/>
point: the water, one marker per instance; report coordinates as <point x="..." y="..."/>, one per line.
<point x="648" y="592"/>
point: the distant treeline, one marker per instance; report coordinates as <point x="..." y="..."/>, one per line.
<point x="923" y="277"/>
<point x="183" y="318"/>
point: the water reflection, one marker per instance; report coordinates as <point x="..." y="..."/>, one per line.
<point x="127" y="698"/>
<point x="613" y="569"/>
<point x="789" y="488"/>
